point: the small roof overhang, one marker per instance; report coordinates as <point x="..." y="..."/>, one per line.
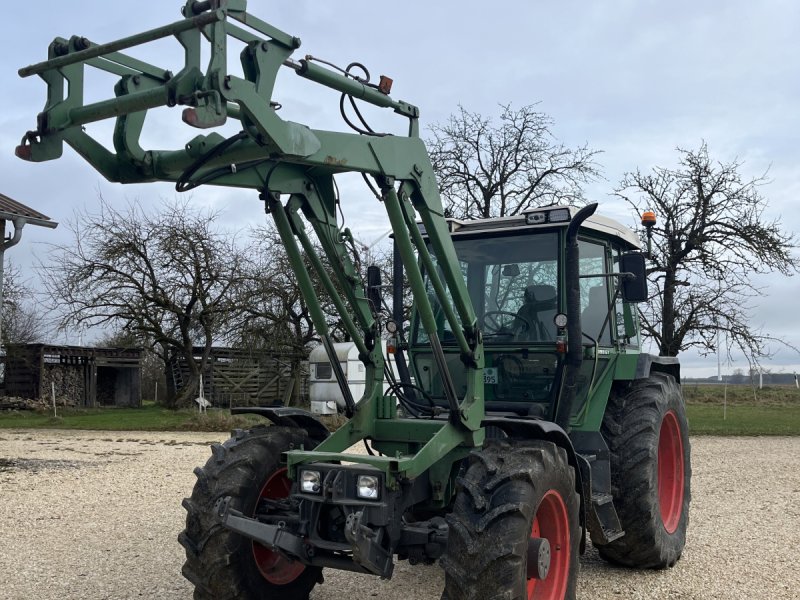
<point x="11" y="210"/>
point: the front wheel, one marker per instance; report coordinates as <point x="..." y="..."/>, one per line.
<point x="648" y="438"/>
<point x="221" y="564"/>
<point x="514" y="529"/>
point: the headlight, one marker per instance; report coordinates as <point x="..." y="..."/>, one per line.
<point x="368" y="487"/>
<point x="310" y="482"/>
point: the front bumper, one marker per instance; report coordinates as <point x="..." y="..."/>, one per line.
<point x="335" y="528"/>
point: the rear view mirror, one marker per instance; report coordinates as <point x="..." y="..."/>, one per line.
<point x="511" y="270"/>
<point x="634" y="289"/>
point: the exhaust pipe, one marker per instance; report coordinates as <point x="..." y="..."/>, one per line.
<point x="574" y="357"/>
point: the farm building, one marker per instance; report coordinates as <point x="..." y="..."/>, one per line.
<point x="241" y="377"/>
<point x="80" y="376"/>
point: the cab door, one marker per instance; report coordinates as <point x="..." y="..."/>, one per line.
<point x="598" y="322"/>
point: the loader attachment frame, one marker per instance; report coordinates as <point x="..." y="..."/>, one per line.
<point x="292" y="167"/>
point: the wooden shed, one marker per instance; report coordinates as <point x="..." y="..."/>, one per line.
<point x="80" y="376"/>
<point x="241" y="377"/>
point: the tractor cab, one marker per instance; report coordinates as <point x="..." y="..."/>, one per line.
<point x="516" y="277"/>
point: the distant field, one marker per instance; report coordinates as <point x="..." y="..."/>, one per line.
<point x="774" y="395"/>
<point x="775" y="411"/>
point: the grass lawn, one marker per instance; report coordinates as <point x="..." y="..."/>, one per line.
<point x="148" y="418"/>
<point x="776" y="411"/>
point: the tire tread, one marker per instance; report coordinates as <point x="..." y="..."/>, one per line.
<point x="495" y="503"/>
<point x="216" y="558"/>
<point x="631" y="429"/>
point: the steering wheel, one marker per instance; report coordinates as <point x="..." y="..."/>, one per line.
<point x="511" y="367"/>
<point x="493" y="326"/>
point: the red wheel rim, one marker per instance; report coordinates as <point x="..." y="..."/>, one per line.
<point x="670" y="472"/>
<point x="273" y="567"/>
<point x="552" y="522"/>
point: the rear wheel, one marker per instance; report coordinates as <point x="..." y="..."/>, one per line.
<point x="648" y="436"/>
<point x="514" y="529"/>
<point x="221" y="564"/>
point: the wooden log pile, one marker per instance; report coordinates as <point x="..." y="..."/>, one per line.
<point x="70" y="386"/>
<point x="17" y="403"/>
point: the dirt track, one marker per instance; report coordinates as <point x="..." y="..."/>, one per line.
<point x="95" y="515"/>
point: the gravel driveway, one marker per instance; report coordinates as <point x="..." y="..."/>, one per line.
<point x="95" y="515"/>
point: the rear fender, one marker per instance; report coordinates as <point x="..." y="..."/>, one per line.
<point x="648" y="363"/>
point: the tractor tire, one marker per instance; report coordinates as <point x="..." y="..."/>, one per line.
<point x="221" y="564"/>
<point x="510" y="494"/>
<point x="648" y="438"/>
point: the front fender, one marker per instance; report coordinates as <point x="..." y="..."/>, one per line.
<point x="534" y="429"/>
<point x="285" y="416"/>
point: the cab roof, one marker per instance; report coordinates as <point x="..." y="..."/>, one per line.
<point x="527" y="221"/>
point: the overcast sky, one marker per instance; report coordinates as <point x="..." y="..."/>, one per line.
<point x="632" y="78"/>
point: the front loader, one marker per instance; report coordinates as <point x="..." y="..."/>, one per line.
<point x="524" y="415"/>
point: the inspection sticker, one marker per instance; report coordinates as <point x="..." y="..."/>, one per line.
<point x="490" y="376"/>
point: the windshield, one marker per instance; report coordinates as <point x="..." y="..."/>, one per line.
<point x="512" y="282"/>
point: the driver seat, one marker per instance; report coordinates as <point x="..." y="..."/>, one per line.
<point x="535" y="316"/>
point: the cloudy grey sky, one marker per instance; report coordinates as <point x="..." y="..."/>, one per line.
<point x="632" y="78"/>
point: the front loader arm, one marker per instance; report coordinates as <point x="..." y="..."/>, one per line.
<point x="278" y="158"/>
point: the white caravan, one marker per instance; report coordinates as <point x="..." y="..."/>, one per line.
<point x="324" y="391"/>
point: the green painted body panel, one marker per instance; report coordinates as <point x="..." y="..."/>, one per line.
<point x="621" y="367"/>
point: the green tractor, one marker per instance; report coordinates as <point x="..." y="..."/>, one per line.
<point x="524" y="414"/>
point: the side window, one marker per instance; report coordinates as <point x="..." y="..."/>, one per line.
<point x="595" y="318"/>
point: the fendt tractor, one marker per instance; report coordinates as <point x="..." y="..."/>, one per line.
<point x="524" y="416"/>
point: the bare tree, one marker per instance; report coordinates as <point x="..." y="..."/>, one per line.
<point x="23" y="323"/>
<point x="168" y="277"/>
<point x="275" y="317"/>
<point x="275" y="314"/>
<point x="489" y="169"/>
<point x="272" y="302"/>
<point x="711" y="238"/>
